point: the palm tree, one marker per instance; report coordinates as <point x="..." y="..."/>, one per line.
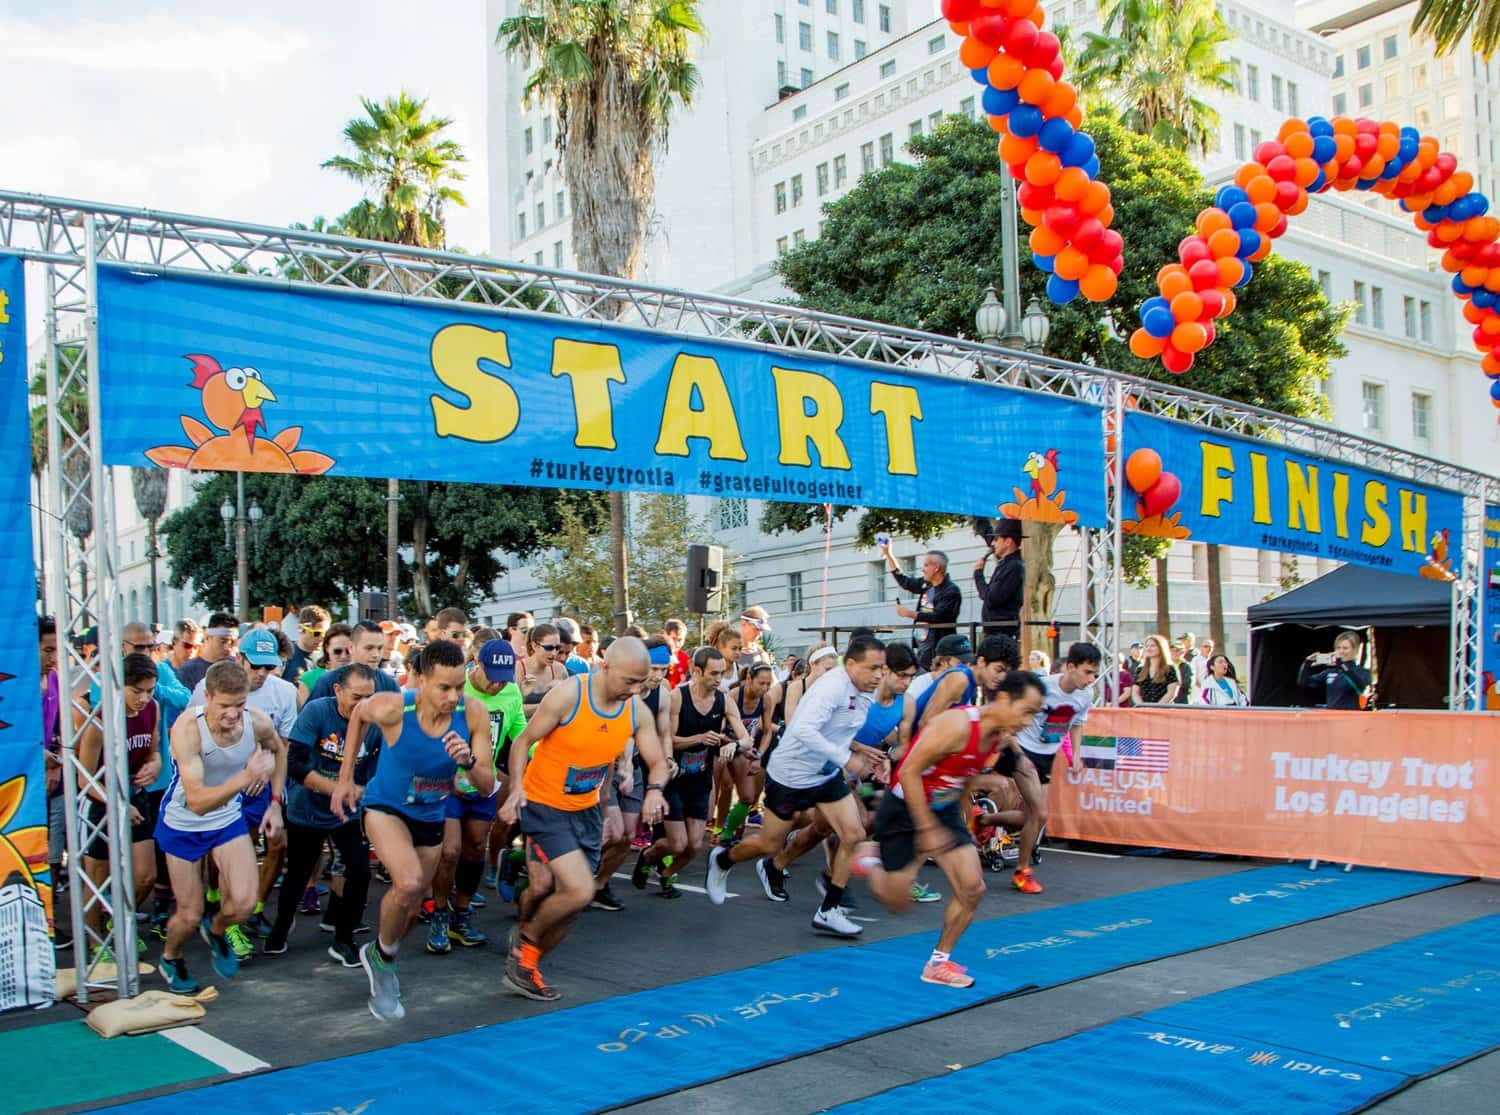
<point x="1154" y="61"/>
<point x="408" y="169"/>
<point x="613" y="72"/>
<point x="1447" y="21"/>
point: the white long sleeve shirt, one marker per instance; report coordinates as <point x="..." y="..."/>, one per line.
<point x="815" y="745"/>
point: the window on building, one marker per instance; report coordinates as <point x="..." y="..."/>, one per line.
<point x="1338" y="66"/>
<point x="1341" y="104"/>
<point x="780" y="191"/>
<point x="807" y="76"/>
<point x="1325" y="281"/>
<point x="1426" y="318"/>
<point x="804" y="35"/>
<point x="1409" y="316"/>
<point x="840" y="91"/>
<point x="794" y="602"/>
<point x="1362" y="57"/>
<point x="520" y="226"/>
<point x="1372" y="399"/>
<point x="1361" y="304"/>
<point x="734" y="513"/>
<point x="833" y="46"/>
<point x="796" y="189"/>
<point x="866" y="158"/>
<point x="537" y="259"/>
<point x="799" y="112"/>
<point x="1278" y="100"/>
<point x="1252" y="82"/>
<point x="1239" y="142"/>
<point x="1423" y="118"/>
<point x="831" y="6"/>
<point x="1450" y="68"/>
<point x="1419" y="77"/>
<point x="1237" y="76"/>
<point x="780" y="28"/>
<point x="528" y="141"/>
<point x="1377" y="307"/>
<point x="1291" y="97"/>
<point x="780" y="75"/>
<point x="560" y="204"/>
<point x="1421" y="416"/>
<point x="936" y="43"/>
<point x="1366" y="95"/>
<point x="541" y="215"/>
<point x="858" y="10"/>
<point x="933" y="120"/>
<point x="546" y="130"/>
<point x="1392" y="85"/>
<point x="914" y="129"/>
<point x="1255" y="138"/>
<point x="887" y="149"/>
<point x="885" y="17"/>
<point x="822" y="178"/>
<point x="966" y="107"/>
<point x="781" y="245"/>
<point x="840" y="171"/>
<point x="888" y="68"/>
<point x="859" y="48"/>
<point x="1389" y="47"/>
<point x="1450" y="107"/>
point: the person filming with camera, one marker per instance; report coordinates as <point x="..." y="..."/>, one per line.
<point x="1338" y="676"/>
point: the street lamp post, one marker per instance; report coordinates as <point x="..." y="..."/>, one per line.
<point x="235" y="514"/>
<point x="1010" y="246"/>
<point x="1036" y="327"/>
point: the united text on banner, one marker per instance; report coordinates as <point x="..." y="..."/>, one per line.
<point x="1235" y="491"/>
<point x="210" y="374"/>
<point x="1413" y="790"/>
<point x="26" y="963"/>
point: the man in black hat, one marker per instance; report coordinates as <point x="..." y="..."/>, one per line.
<point x="1003" y="594"/>
<point x="938" y="601"/>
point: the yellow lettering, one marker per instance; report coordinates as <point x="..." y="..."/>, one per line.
<point x="1218" y="477"/>
<point x="493" y="410"/>
<point x="591" y="367"/>
<point x="1260" y="488"/>
<point x="901" y="407"/>
<point x="1376" y="530"/>
<point x="1302" y="511"/>
<point x="1341" y="504"/>
<point x="713" y="420"/>
<point x="794" y="390"/>
<point x="1413" y="522"/>
<point x="4" y="307"/>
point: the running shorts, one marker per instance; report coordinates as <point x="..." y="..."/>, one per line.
<point x="786" y="801"/>
<point x="551" y="833"/>
<point x="896" y="833"/>
<point x="1043" y="764"/>
<point x="460" y="808"/>
<point x="140" y="832"/>
<point x="688" y="796"/>
<point x="424" y="834"/>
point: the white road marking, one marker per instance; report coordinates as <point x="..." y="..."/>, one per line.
<point x="210" y="1048"/>
<point x="1080" y="852"/>
<point x="680" y="886"/>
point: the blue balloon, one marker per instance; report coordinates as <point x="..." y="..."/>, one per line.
<point x="1243" y="215"/>
<point x="1319" y="126"/>
<point x="1435" y="214"/>
<point x="1043" y="263"/>
<point x="1324" y="149"/>
<point x="1158" y="322"/>
<point x="1062" y="291"/>
<point x="1025" y="121"/>
<point x="1249" y="270"/>
<point x="1055" y="135"/>
<point x="1486" y="300"/>
<point x="1079" y="151"/>
<point x="981" y="75"/>
<point x="1091" y="168"/>
<point x="1155" y="302"/>
<point x="1230" y="196"/>
<point x="1462" y="288"/>
<point x="1249" y="243"/>
<point x="1318" y="184"/>
<point x="1000" y="102"/>
<point x="1495" y="390"/>
<point x="1392" y="168"/>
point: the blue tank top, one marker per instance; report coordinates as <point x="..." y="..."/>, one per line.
<point x="415" y="777"/>
<point x="968" y="697"/>
<point x="880" y="722"/>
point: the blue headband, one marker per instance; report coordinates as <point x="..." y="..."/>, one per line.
<point x="661" y="656"/>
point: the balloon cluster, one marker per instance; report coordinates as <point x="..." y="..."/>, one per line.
<point x="1308" y="157"/>
<point x="1037" y="116"/>
<point x="1156" y="490"/>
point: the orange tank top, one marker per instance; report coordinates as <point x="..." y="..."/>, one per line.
<point x="572" y="761"/>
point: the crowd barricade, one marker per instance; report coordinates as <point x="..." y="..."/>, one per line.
<point x="1414" y="790"/>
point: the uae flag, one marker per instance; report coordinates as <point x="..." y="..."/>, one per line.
<point x="1098" y="752"/>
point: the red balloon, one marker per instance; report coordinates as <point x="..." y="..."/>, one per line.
<point x="1062" y="219"/>
<point x="1213" y="300"/>
<point x="989" y="28"/>
<point x="1056" y="68"/>
<point x="960" y="11"/>
<point x="1117" y="264"/>
<point x="1283" y="168"/>
<point x="1176" y="362"/>
<point x="1116" y="244"/>
<point x="1047" y="47"/>
<point x="1365" y="145"/>
<point x="1205" y="274"/>
<point x="1445" y="164"/>
<point x="1279" y="230"/>
<point x="1035" y="197"/>
<point x="1192" y="249"/>
<point x="1268" y="151"/>
<point x="1159" y="498"/>
<point x="1090" y="232"/>
<point x="1020" y="37"/>
<point x="1287" y="194"/>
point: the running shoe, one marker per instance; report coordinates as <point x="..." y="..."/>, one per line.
<point x="140" y="945"/>
<point x="836" y="921"/>
<point x="717" y="883"/>
<point x="176" y="974"/>
<point x="272" y="946"/>
<point x="491" y="878"/>
<point x="346" y="954"/>
<point x="604" y="899"/>
<point x="424" y="912"/>
<point x="528" y="981"/>
<point x="754" y="819"/>
<point x="159" y="924"/>
<point x="921" y="893"/>
<point x="239" y="940"/>
<point x="478" y="901"/>
<point x="948" y="974"/>
<point x="226" y="962"/>
<point x="640" y="874"/>
<point x="773" y="882"/>
<point x="1025" y="882"/>
<point x="258" y="925"/>
<point x="310" y="902"/>
<point x="102" y="954"/>
<point x="823" y="881"/>
<point x="385" y="988"/>
<point x="669" y="886"/>
<point x="461" y="929"/>
<point x="1010" y="850"/>
<point x="437" y="933"/>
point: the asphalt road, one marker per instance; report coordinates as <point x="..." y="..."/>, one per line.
<point x="301" y="1007"/>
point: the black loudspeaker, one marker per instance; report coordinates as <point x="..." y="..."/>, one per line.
<point x="374" y="606"/>
<point x="705" y="579"/>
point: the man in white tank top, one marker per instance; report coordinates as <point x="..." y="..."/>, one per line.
<point x="223" y="752"/>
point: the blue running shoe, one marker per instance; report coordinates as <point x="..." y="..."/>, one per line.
<point x="437" y="932"/>
<point x="226" y="963"/>
<point x="176" y="974"/>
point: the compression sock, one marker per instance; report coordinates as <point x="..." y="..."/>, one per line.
<point x="737" y="814"/>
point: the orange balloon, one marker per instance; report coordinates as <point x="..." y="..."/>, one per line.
<point x="1045" y="242"/>
<point x="1095" y="198"/>
<point x="1173" y="280"/>
<point x="1492" y="284"/>
<point x="975" y="55"/>
<point x="1387" y="145"/>
<point x="1231" y="271"/>
<point x="1262" y="188"/>
<point x="1482" y="230"/>
<point x="1072" y="184"/>
<point x="1304" y="199"/>
<point x="1224" y="242"/>
<point x="1189" y="336"/>
<point x="1490" y="326"/>
<point x="1043" y="168"/>
<point x="1473" y="314"/>
<point x="1307" y="172"/>
<point x="1061" y="101"/>
<point x="1106" y="215"/>
<point x="1016" y="9"/>
<point x="1246" y="173"/>
<point x="1344" y="126"/>
<point x="1451" y="263"/>
<point x="1006" y="72"/>
<point x="1099" y="283"/>
<point x="1231" y="300"/>
<point x="1187" y="306"/>
<point x="1037" y="16"/>
<point x="959" y="29"/>
<point x="1014" y="151"/>
<point x="1449" y="233"/>
<point x="1464" y="181"/>
<point x="1299" y="145"/>
<point x="1267" y="217"/>
<point x="1212" y="220"/>
<point x="1146" y="347"/>
<point x="1343" y="147"/>
<point x="1032" y="217"/>
<point x="1075" y="117"/>
<point x="1071" y="264"/>
<point x="1475" y="276"/>
<point x="1264" y="250"/>
<point x="1036" y="86"/>
<point x="1143" y="467"/>
<point x="1490" y="364"/>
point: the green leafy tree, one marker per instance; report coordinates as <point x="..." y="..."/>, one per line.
<point x="613" y="72"/>
<point x="917" y="246"/>
<point x="1154" y="62"/>
<point x="1448" y="21"/>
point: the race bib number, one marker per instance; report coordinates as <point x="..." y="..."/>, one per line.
<point x="427" y="791"/>
<point x="584" y="780"/>
<point x="694" y="762"/>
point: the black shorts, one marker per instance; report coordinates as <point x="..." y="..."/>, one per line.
<point x="551" y="833"/>
<point x="786" y="802"/>
<point x="631" y="803"/>
<point x="1007" y="761"/>
<point x="139" y="833"/>
<point x="897" y="834"/>
<point x="424" y="834"/>
<point x="1043" y="764"/>
<point x="688" y="796"/>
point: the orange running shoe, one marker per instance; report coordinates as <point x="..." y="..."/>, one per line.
<point x="1025" y="882"/>
<point x="948" y="974"/>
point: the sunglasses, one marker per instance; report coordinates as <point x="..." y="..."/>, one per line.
<point x="140" y="648"/>
<point x="550" y="648"/>
<point x="340" y="652"/>
<point x="254" y="666"/>
<point x="316" y="632"/>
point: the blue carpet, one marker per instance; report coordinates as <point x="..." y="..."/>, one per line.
<point x="632" y="1047"/>
<point x="1321" y="1041"/>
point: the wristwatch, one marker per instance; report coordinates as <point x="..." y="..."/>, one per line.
<point x="659" y="787"/>
<point x="472" y="763"/>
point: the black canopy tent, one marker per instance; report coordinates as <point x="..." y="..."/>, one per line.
<point x="1410" y="618"/>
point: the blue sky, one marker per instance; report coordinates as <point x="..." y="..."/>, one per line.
<point x="227" y="110"/>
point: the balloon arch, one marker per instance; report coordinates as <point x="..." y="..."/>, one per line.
<point x="1036" y="113"/>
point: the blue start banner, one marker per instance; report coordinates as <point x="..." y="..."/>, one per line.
<point x="26" y="963"/>
<point x="1489" y="560"/>
<point x="207" y="374"/>
<point x="1183" y="482"/>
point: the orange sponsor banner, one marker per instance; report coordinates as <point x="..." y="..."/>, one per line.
<point x="1414" y="790"/>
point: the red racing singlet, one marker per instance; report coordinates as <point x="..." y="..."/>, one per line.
<point x="944" y="781"/>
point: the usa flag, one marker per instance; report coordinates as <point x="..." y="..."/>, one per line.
<point x="1134" y="753"/>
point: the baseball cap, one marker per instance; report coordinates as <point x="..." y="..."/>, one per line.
<point x="408" y="633"/>
<point x="389" y="625"/>
<point x="567" y="629"/>
<point x="163" y="639"/>
<point x="498" y="660"/>
<point x="955" y="646"/>
<point x="660" y="656"/>
<point x="259" y="648"/>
